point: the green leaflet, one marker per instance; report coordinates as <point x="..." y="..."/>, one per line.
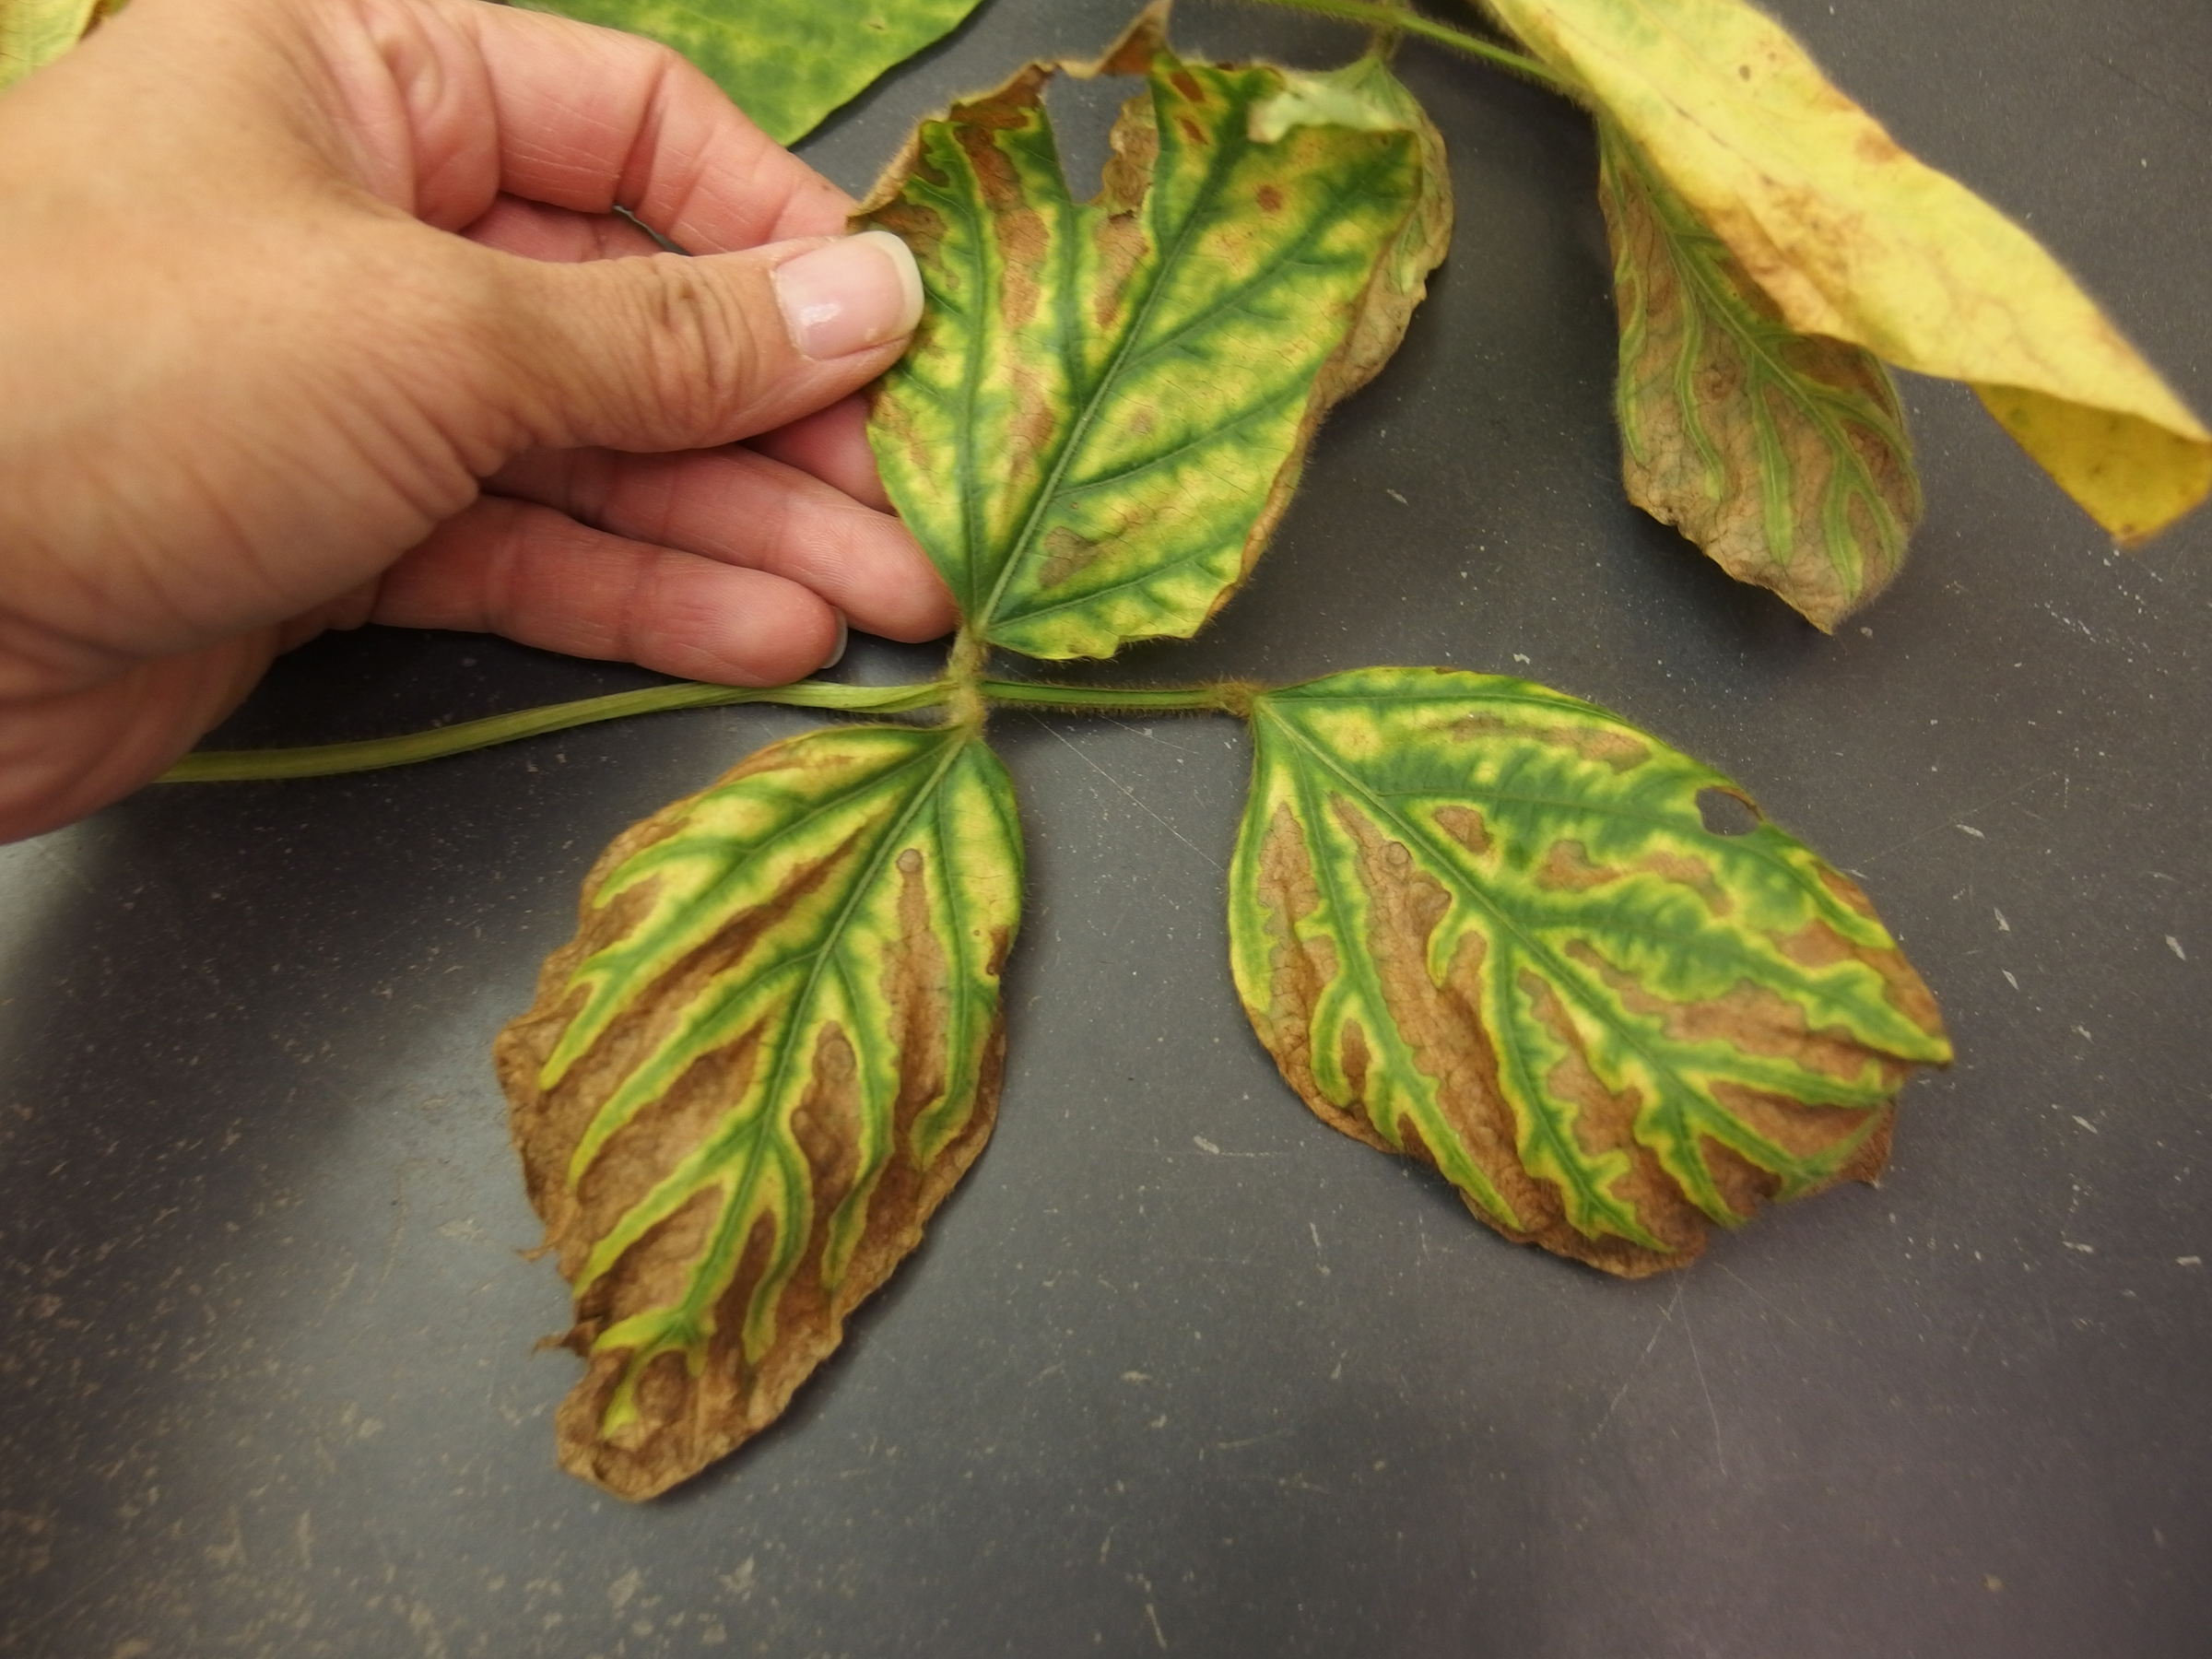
<point x="1483" y="923"/>
<point x="784" y="63"/>
<point x="1106" y="407"/>
<point x="34" y="32"/>
<point x="767" y="1055"/>
<point x="1782" y="455"/>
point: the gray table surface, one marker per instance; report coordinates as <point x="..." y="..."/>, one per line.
<point x="1179" y="1369"/>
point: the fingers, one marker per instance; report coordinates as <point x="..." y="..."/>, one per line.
<point x="832" y="445"/>
<point x="670" y="353"/>
<point x="745" y="509"/>
<point x="589" y="119"/>
<point x="517" y="569"/>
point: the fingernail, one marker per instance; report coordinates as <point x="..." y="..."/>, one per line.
<point x="850" y="295"/>
<point x="845" y="636"/>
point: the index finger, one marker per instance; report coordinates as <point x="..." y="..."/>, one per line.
<point x="591" y="118"/>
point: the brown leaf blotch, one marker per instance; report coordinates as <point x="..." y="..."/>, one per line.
<point x="1440" y="1024"/>
<point x="1465" y="825"/>
<point x="916" y="978"/>
<point x="1143" y="41"/>
<point x="1122" y="245"/>
<point x="826" y="1122"/>
<point x="1818" y="944"/>
<point x="1567" y="869"/>
<point x="650" y="1272"/>
<point x="646" y="1149"/>
<point x="1747" y="1016"/>
<point x="1067" y="554"/>
<point x="1298" y="971"/>
<point x="1798" y="1129"/>
<point x="1602" y="744"/>
<point x="1744" y="1187"/>
<point x="1605" y="1121"/>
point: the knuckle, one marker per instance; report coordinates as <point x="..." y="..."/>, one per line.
<point x="701" y="352"/>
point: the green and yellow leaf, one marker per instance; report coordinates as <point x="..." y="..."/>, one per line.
<point x="1483" y="925"/>
<point x="1855" y="239"/>
<point x="785" y="63"/>
<point x="770" y="1051"/>
<point x="1106" y="407"/>
<point x="1782" y="455"/>
<point x="34" y="32"/>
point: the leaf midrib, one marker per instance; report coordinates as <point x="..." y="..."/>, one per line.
<point x="1127" y="355"/>
<point x="1048" y="489"/>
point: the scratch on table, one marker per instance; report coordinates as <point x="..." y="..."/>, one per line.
<point x="2147" y="91"/>
<point x="1720" y="1455"/>
<point x="1665" y="1315"/>
<point x="1772" y="1307"/>
<point x="1133" y="799"/>
<point x="1950" y="818"/>
<point x="1149" y="735"/>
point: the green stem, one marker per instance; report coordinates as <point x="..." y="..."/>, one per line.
<point x="1387" y="18"/>
<point x="1223" y="697"/>
<point x="227" y="766"/>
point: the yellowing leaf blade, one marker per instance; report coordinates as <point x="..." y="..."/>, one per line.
<point x="1483" y="925"/>
<point x="766" y="1057"/>
<point x="787" y="64"/>
<point x="1783" y="455"/>
<point x="34" y="32"/>
<point x="1856" y="240"/>
<point x="1107" y="405"/>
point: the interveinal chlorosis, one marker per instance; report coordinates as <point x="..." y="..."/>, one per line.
<point x="1484" y="925"/>
<point x="1107" y="405"/>
<point x="770" y="1050"/>
<point x="1782" y="455"/>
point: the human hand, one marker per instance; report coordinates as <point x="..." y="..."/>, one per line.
<point x="316" y="313"/>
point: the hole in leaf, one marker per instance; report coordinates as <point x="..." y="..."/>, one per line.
<point x="1725" y="812"/>
<point x="1083" y="115"/>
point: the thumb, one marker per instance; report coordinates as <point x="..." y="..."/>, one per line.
<point x="675" y="352"/>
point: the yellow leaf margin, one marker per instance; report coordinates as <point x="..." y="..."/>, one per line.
<point x="1855" y="238"/>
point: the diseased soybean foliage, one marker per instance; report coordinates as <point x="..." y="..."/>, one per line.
<point x="1478" y="923"/>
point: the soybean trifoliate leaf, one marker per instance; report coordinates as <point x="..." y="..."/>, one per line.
<point x="1856" y="240"/>
<point x="1782" y="455"/>
<point x="785" y="63"/>
<point x="1484" y="925"/>
<point x="34" y="32"/>
<point x="770" y="1050"/>
<point x="1105" y="409"/>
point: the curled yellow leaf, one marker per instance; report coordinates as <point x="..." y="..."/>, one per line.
<point x="1854" y="239"/>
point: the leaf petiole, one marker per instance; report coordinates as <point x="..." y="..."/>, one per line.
<point x="1219" y="696"/>
<point x="232" y="766"/>
<point x="1386" y="17"/>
